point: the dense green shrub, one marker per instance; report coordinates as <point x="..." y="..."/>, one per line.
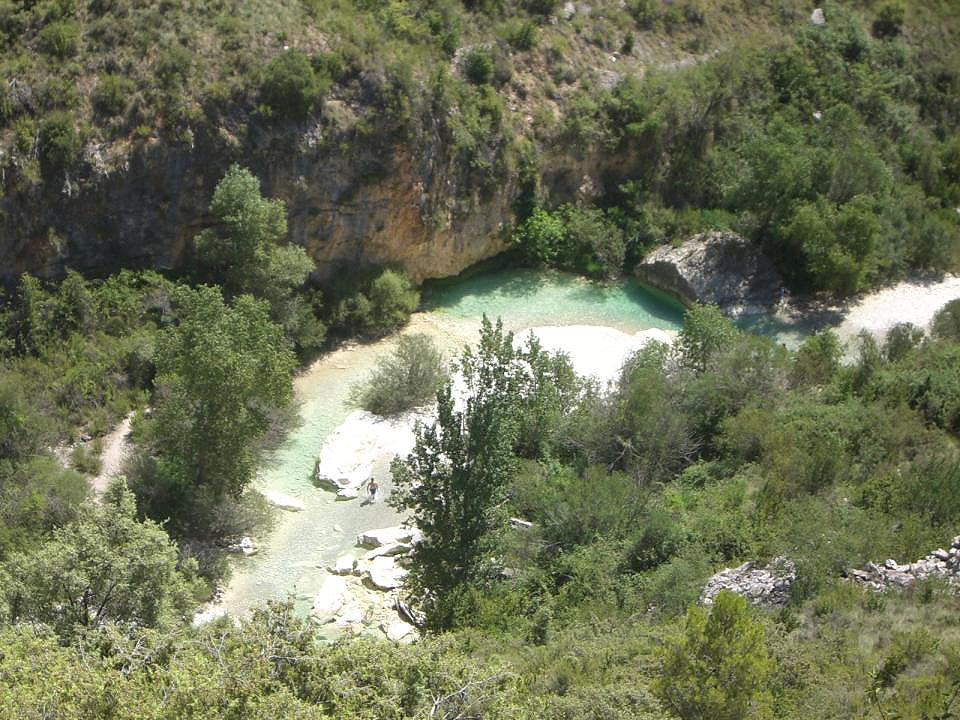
<point x="889" y="20"/>
<point x="58" y="141"/>
<point x="721" y="667"/>
<point x="60" y="38"/>
<point x="478" y="66"/>
<point x="291" y="87"/>
<point x="946" y="323"/>
<point x="112" y="94"/>
<point x="406" y="378"/>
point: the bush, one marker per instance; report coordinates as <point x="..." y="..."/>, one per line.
<point x="720" y="668"/>
<point x="946" y="323"/>
<point x="291" y="88"/>
<point x="889" y="20"/>
<point x="174" y="66"/>
<point x="110" y="97"/>
<point x="901" y="339"/>
<point x="58" y="141"/>
<point x="393" y="298"/>
<point x="541" y="237"/>
<point x="478" y="66"/>
<point x="61" y="38"/>
<point x="409" y="377"/>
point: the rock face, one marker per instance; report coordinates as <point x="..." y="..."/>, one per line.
<point x="769" y="585"/>
<point x="940" y="563"/>
<point x="720" y="268"/>
<point x="381" y="195"/>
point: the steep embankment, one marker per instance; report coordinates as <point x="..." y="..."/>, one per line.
<point x="402" y="134"/>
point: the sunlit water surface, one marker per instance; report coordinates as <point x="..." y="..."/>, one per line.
<point x="294" y="555"/>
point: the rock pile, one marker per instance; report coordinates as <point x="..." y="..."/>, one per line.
<point x="938" y="564"/>
<point x="768" y="585"/>
<point x="362" y="594"/>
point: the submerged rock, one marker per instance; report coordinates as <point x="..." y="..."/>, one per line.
<point x="284" y="502"/>
<point x="719" y="268"/>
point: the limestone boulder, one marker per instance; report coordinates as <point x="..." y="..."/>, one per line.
<point x="386" y="536"/>
<point x="719" y="268"/>
<point x="385" y="574"/>
<point x="329" y="598"/>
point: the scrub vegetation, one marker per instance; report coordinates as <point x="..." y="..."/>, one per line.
<point x="833" y="147"/>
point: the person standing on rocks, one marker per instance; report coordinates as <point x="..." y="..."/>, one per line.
<point x="372" y="488"/>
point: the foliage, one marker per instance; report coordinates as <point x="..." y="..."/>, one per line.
<point x="376" y="305"/>
<point x="58" y="142"/>
<point x="100" y="568"/>
<point x="706" y="332"/>
<point x="220" y="371"/>
<point x="249" y="257"/>
<point x="408" y="377"/>
<point x="291" y="87"/>
<point x="456" y="475"/>
<point x="112" y="94"/>
<point x="946" y="323"/>
<point x="721" y="667"/>
<point x="478" y="67"/>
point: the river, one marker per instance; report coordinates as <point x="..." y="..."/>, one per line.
<point x="596" y="323"/>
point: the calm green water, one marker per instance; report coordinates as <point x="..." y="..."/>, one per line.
<point x="527" y="298"/>
<point x="294" y="554"/>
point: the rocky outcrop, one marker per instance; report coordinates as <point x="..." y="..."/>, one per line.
<point x="719" y="268"/>
<point x="768" y="585"/>
<point x="360" y="187"/>
<point x="943" y="564"/>
<point x="387" y="536"/>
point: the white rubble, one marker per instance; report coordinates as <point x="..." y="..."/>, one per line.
<point x="768" y="585"/>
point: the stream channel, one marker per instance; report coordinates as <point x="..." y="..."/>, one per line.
<point x="596" y="324"/>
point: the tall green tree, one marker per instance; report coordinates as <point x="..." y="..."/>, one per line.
<point x="706" y="332"/>
<point x="454" y="481"/>
<point x="102" y="567"/>
<point x="220" y="372"/>
<point x="247" y="254"/>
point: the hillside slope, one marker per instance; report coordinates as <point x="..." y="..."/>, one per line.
<point x="396" y="132"/>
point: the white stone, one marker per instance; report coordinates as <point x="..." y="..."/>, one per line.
<point x="388" y="550"/>
<point x="385" y="574"/>
<point x="398" y="630"/>
<point x="344" y="564"/>
<point x="386" y="536"/>
<point x="347" y="493"/>
<point x="520" y="524"/>
<point x="350" y="614"/>
<point x="817" y="17"/>
<point x="330" y="597"/>
<point x="284" y="502"/>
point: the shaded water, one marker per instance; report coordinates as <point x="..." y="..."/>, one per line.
<point x="294" y="556"/>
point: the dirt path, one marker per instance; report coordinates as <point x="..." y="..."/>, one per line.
<point x="115" y="447"/>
